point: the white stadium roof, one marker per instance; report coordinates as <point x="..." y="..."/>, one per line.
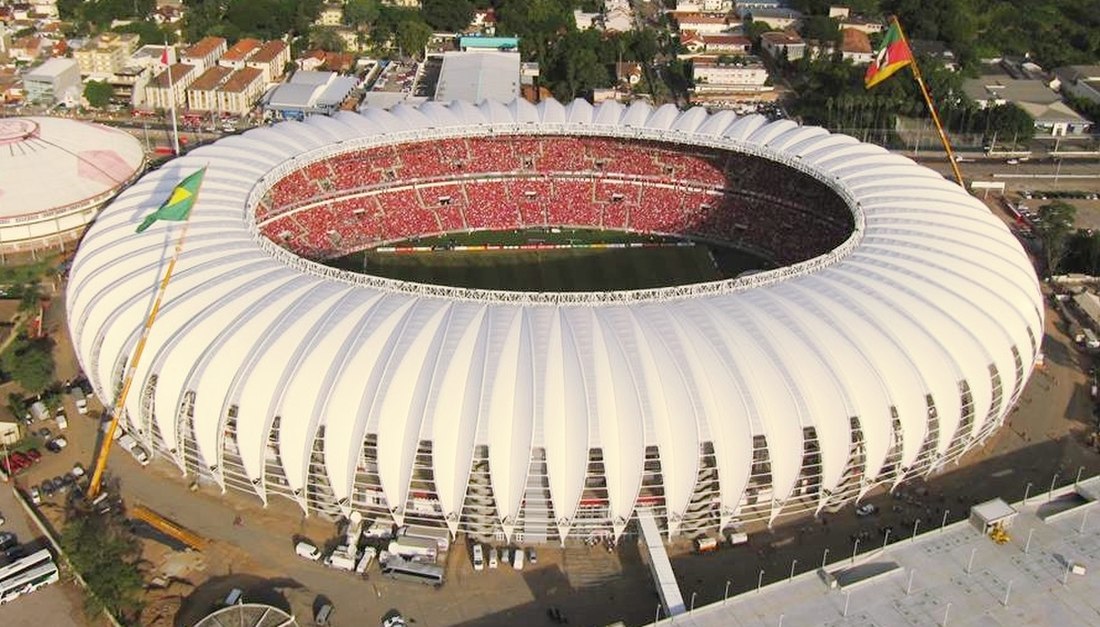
<point x="930" y="290"/>
<point x="50" y="163"/>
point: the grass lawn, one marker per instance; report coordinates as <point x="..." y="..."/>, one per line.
<point x="567" y="270"/>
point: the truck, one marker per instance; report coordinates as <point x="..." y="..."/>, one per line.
<point x="342" y="558"/>
<point x="39" y="411"/>
<point x="131" y="445"/>
<point x="736" y="534"/>
<point x="705" y="545"/>
<point x="79" y="399"/>
<point x="409" y="547"/>
<point x="441" y="535"/>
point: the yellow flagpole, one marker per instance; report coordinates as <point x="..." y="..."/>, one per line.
<point x="128" y="379"/>
<point x="931" y="108"/>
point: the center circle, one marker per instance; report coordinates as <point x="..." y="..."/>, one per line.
<point x="549" y="213"/>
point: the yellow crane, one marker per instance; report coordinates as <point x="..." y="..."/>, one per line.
<point x="185" y="194"/>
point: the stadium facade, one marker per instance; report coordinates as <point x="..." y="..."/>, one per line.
<point x="898" y="332"/>
<point x="55" y="175"/>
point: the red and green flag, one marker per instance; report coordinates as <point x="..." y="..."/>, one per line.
<point x="178" y="206"/>
<point x="892" y="56"/>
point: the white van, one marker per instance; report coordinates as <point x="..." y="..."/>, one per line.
<point x="517" y="559"/>
<point x="479" y="557"/>
<point x="307" y="550"/>
<point x="61" y="420"/>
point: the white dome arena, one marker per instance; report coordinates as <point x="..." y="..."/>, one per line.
<point x="55" y="174"/>
<point x="900" y="327"/>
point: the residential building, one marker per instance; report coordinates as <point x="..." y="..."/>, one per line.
<point x="202" y="92"/>
<point x="28" y="49"/>
<point x="855" y="46"/>
<point x="271" y="59"/>
<point x="778" y="19"/>
<point x="726" y="44"/>
<point x="704" y="6"/>
<point x="744" y="74"/>
<point x="161" y="92"/>
<point x="1034" y="96"/>
<point x="783" y="43"/>
<point x="55" y="81"/>
<point x="106" y="53"/>
<point x="240" y="91"/>
<point x="702" y="24"/>
<point x="863" y="24"/>
<point x="331" y="14"/>
<point x="128" y="85"/>
<point x="1079" y="81"/>
<point x="237" y="56"/>
<point x="935" y="50"/>
<point x="352" y="38"/>
<point x="204" y="53"/>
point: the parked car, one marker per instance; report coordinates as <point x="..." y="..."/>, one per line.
<point x="393" y="618"/>
<point x="78" y="470"/>
<point x="2" y="520"/>
<point x="532" y="556"/>
<point x="7" y="540"/>
<point x="36" y="495"/>
<point x="60" y="442"/>
<point x="34" y="454"/>
<point x="493" y="557"/>
<point x="478" y="557"/>
<point x="61" y="420"/>
<point x="44" y="433"/>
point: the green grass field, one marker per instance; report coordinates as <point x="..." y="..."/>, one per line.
<point x="568" y="270"/>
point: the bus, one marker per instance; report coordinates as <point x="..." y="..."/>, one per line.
<point x="27" y="575"/>
<point x="415" y="572"/>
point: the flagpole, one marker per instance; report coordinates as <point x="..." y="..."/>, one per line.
<point x="931" y="108"/>
<point x="131" y="369"/>
<point x="172" y="101"/>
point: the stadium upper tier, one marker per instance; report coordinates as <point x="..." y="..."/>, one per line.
<point x="363" y="197"/>
<point x="899" y="344"/>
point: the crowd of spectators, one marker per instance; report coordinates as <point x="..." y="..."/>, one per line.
<point x="352" y="201"/>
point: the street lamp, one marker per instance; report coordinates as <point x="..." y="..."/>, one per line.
<point x="824" y="556"/>
<point x="793" y="562"/>
<point x="855" y="550"/>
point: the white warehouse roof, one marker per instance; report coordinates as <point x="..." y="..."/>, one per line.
<point x="929" y="291"/>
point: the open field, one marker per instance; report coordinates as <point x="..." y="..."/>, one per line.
<point x="663" y="262"/>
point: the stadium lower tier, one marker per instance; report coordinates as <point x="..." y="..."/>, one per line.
<point x="779" y="230"/>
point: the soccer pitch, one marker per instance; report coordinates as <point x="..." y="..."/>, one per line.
<point x="558" y="270"/>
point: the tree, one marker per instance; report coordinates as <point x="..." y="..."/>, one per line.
<point x="106" y="555"/>
<point x="451" y="16"/>
<point x="821" y="28"/>
<point x="326" y="38"/>
<point x="98" y="93"/>
<point x="361" y="12"/>
<point x="1053" y="227"/>
<point x="412" y="36"/>
<point x="30" y="362"/>
<point x="149" y="34"/>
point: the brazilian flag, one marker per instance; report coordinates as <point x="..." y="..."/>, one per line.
<point x="178" y="206"/>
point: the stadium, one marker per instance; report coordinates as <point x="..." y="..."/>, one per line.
<point x="884" y="324"/>
<point x="55" y="174"/>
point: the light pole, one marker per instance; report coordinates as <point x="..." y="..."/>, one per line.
<point x="692" y="610"/>
<point x="824" y="556"/>
<point x="793" y="562"/>
<point x="760" y="580"/>
<point x="1050" y="493"/>
<point x="886" y="540"/>
<point x="909" y="586"/>
<point x="855" y="550"/>
<point x="726" y="594"/>
<point x="1027" y="545"/>
<point x="970" y="562"/>
<point x="1027" y="490"/>
<point x="943" y="523"/>
<point x="1078" y="479"/>
<point x="1084" y="519"/>
<point x="915" y="523"/>
<point x="1008" y="590"/>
